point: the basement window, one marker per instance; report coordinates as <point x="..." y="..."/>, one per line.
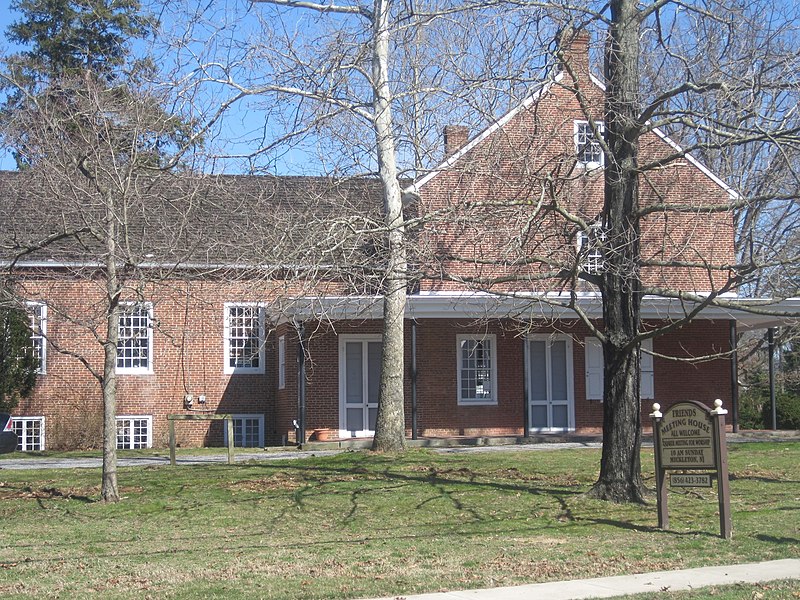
<point x="30" y="432"/>
<point x="134" y="432"/>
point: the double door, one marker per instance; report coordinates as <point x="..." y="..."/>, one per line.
<point x="359" y="381"/>
<point x="551" y="404"/>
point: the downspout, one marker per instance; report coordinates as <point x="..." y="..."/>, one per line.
<point x="771" y="351"/>
<point x="301" y="386"/>
<point x="525" y="404"/>
<point x="734" y="378"/>
<point x="414" y="431"/>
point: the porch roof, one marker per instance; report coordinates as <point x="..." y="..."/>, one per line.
<point x="749" y="313"/>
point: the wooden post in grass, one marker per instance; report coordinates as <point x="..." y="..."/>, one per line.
<point x="172" y="418"/>
<point x="723" y="485"/>
<point x="690" y="438"/>
<point x="661" y="474"/>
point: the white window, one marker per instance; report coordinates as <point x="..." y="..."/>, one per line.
<point x="30" y="431"/>
<point x="594" y="369"/>
<point x="244" y="338"/>
<point x="134" y="432"/>
<point x="38" y="316"/>
<point x="477" y="369"/>
<point x="135" y="343"/>
<point x="590" y="249"/>
<point x="248" y="431"/>
<point x="587" y="146"/>
<point x="282" y="362"/>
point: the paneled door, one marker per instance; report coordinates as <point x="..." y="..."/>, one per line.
<point x="359" y="380"/>
<point x="550" y="383"/>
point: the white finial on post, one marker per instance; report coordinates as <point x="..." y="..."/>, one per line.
<point x="718" y="410"/>
<point x="656" y="414"/>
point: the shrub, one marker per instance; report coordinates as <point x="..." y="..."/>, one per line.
<point x="751" y="405"/>
<point x="755" y="411"/>
<point x="787" y="408"/>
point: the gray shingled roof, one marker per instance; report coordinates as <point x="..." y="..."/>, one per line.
<point x="187" y="220"/>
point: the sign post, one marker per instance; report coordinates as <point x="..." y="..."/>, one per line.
<point x="690" y="436"/>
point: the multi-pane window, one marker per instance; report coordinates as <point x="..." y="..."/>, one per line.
<point x="244" y="338"/>
<point x="30" y="433"/>
<point x="38" y="319"/>
<point x="134" y="432"/>
<point x="587" y="146"/>
<point x="590" y="250"/>
<point x="477" y="371"/>
<point x="135" y="343"/>
<point x="248" y="431"/>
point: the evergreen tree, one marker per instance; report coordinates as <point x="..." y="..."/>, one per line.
<point x="68" y="40"/>
<point x="70" y="37"/>
<point x="18" y="361"/>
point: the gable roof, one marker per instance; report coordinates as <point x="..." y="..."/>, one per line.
<point x="529" y="101"/>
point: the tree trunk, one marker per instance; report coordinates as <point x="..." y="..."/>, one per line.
<point x="390" y="425"/>
<point x="109" y="491"/>
<point x="620" y="477"/>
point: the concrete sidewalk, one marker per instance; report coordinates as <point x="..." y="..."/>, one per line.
<point x="608" y="587"/>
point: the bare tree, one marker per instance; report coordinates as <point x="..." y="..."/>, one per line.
<point x="732" y="112"/>
<point x="342" y="76"/>
<point x="337" y="83"/>
<point x="98" y="175"/>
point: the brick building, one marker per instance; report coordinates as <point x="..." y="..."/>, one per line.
<point x="491" y="347"/>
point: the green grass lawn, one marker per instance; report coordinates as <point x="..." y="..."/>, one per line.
<point x="771" y="590"/>
<point x="359" y="525"/>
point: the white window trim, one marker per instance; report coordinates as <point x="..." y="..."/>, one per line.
<point x="241" y="417"/>
<point x="148" y="370"/>
<point x="646" y="367"/>
<point x="492" y="339"/>
<point x="260" y="369"/>
<point x="576" y="143"/>
<point x="282" y="362"/>
<point x="589" y="245"/>
<point x="25" y="420"/>
<point x="148" y="418"/>
<point x="42" y="316"/>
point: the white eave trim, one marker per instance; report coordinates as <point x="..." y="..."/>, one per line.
<point x="748" y="313"/>
<point x="526" y="103"/>
<point x="696" y="163"/>
<point x="499" y="124"/>
<point x="675" y="146"/>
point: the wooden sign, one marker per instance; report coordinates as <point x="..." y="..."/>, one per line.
<point x="686" y="438"/>
<point x="690" y="436"/>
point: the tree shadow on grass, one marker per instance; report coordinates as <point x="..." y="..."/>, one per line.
<point x="645" y="528"/>
<point x="777" y="540"/>
<point x="735" y="477"/>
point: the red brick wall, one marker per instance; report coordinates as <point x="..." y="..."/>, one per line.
<point x="439" y="413"/>
<point x="188" y="358"/>
<point x="495" y="214"/>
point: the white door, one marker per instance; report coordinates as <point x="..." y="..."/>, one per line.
<point x="550" y="383"/>
<point x="359" y="380"/>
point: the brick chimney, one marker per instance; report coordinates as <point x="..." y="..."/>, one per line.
<point x="573" y="50"/>
<point x="455" y="138"/>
